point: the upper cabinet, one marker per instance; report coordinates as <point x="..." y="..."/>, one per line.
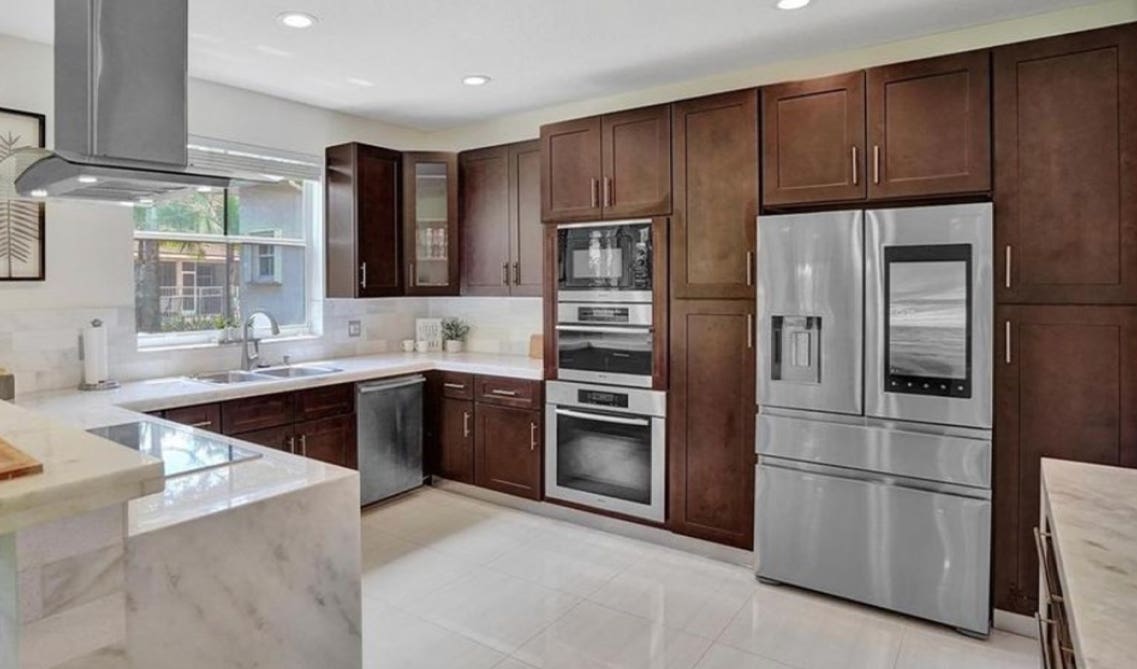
<point x="607" y="167"/>
<point x="716" y="196"/>
<point x="501" y="231"/>
<point x="363" y="221"/>
<point x="907" y="131"/>
<point x="1065" y="149"/>
<point x="813" y="146"/>
<point x="430" y="230"/>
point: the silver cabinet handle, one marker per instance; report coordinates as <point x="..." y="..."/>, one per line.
<point x="412" y="279"/>
<point x="594" y="185"/>
<point x="202" y="424"/>
<point x="363" y="275"/>
<point x="603" y="418"/>
<point x="1007" y="267"/>
<point x="455" y="386"/>
<point x="1007" y="342"/>
<point x="516" y="273"/>
<point x="505" y="274"/>
<point x="504" y="393"/>
<point x="292" y="444"/>
<point x="607" y="191"/>
<point x="876" y="163"/>
<point x="750" y="268"/>
<point x="749" y="330"/>
<point x="532" y="436"/>
<point x="304" y="444"/>
<point x="856" y="178"/>
<point x="465" y="424"/>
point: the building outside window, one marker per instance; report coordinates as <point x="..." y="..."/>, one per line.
<point x="205" y="259"/>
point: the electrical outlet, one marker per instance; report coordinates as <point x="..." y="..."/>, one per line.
<point x="354" y="328"/>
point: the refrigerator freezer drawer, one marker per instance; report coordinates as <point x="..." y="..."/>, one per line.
<point x="921" y="553"/>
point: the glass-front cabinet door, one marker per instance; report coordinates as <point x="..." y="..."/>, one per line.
<point x="430" y="232"/>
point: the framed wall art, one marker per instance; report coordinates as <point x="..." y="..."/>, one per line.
<point x="21" y="221"/>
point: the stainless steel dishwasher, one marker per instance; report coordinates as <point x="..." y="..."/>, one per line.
<point x="389" y="436"/>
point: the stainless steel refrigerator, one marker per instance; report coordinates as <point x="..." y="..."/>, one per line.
<point x="874" y="428"/>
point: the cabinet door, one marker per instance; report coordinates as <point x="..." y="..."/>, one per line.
<point x="280" y="438"/>
<point x="571" y="171"/>
<point x="526" y="230"/>
<point x="430" y="223"/>
<point x="256" y="413"/>
<point x="456" y="440"/>
<point x="813" y="141"/>
<point x="324" y="401"/>
<point x="636" y="154"/>
<point x="202" y="416"/>
<point x="1065" y="150"/>
<point x="716" y="196"/>
<point x="930" y="127"/>
<point x="485" y="221"/>
<point x="378" y="222"/>
<point x="1064" y="389"/>
<point x="710" y="418"/>
<point x="507" y="447"/>
<point x="330" y="440"/>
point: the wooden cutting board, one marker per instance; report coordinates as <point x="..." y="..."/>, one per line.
<point x="14" y="462"/>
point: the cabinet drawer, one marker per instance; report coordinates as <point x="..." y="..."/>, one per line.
<point x="256" y="413"/>
<point x="458" y="386"/>
<point x="202" y="416"/>
<point x="519" y="393"/>
<point x="325" y="402"/>
<point x="281" y="438"/>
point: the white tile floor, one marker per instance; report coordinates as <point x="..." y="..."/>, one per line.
<point x="456" y="583"/>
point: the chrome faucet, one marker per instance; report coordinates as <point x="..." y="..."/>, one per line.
<point x="247" y="358"/>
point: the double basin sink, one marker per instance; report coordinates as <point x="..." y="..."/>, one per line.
<point x="263" y="375"/>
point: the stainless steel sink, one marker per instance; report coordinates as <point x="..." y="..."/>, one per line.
<point x="297" y="371"/>
<point x="232" y="376"/>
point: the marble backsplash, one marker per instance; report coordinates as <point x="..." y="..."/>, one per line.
<point x="41" y="346"/>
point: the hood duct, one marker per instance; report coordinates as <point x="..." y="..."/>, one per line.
<point x="120" y="107"/>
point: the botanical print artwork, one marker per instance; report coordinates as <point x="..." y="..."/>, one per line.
<point x="21" y="221"/>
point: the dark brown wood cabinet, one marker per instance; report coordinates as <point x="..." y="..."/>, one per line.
<point x="456" y="440"/>
<point x="710" y="421"/>
<point x="716" y="196"/>
<point x="330" y="440"/>
<point x="612" y="166"/>
<point x="508" y="449"/>
<point x="1065" y="154"/>
<point x="256" y="413"/>
<point x="813" y="141"/>
<point x="281" y="438"/>
<point x="202" y="416"/>
<point x="1065" y="387"/>
<point x="501" y="220"/>
<point x="363" y="221"/>
<point x="324" y="401"/>
<point x="430" y="223"/>
<point x="929" y="127"/>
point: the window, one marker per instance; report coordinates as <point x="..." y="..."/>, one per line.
<point x="204" y="260"/>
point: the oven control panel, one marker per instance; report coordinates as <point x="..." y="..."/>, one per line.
<point x="602" y="398"/>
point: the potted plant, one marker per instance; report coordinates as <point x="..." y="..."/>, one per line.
<point x="454" y="331"/>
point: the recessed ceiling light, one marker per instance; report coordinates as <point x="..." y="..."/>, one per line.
<point x="87" y="179"/>
<point x="360" y="82"/>
<point x="39" y="192"/>
<point x="476" y="80"/>
<point x="298" y="20"/>
<point x="792" y="4"/>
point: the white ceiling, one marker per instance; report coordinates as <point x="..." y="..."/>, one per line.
<point x="539" y="52"/>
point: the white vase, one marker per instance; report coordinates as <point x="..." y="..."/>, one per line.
<point x="453" y="345"/>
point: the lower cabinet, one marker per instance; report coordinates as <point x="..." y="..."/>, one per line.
<point x="507" y="450"/>
<point x="455" y="458"/>
<point x="330" y="440"/>
<point x="202" y="416"/>
<point x="281" y="438"/>
<point x="710" y="421"/>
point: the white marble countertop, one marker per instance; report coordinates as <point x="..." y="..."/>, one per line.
<point x="204" y="493"/>
<point x="1093" y="516"/>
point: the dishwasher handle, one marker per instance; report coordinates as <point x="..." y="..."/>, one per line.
<point x="379" y="386"/>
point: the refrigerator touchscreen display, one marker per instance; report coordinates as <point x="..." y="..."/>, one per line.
<point x="928" y="340"/>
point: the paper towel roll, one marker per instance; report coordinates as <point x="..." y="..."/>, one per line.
<point x="95" y="368"/>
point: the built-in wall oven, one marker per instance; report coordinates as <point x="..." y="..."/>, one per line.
<point x="605" y="448"/>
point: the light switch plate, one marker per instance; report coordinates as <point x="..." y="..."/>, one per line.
<point x="354" y="328"/>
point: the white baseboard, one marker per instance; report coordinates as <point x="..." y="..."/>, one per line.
<point x="653" y="535"/>
<point x="1015" y="623"/>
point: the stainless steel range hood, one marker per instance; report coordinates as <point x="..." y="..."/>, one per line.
<point x="120" y="106"/>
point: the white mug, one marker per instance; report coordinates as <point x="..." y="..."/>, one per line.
<point x="422" y="346"/>
<point x="408" y="346"/>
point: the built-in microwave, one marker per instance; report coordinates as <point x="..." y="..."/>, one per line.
<point x="605" y="262"/>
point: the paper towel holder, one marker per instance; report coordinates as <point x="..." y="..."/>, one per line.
<point x="105" y="384"/>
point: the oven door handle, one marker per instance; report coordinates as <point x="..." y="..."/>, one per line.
<point x="604" y="329"/>
<point x="601" y="418"/>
